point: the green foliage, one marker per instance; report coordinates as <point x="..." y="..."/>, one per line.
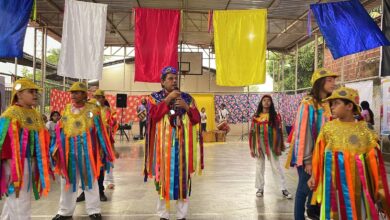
<point x="53" y="56"/>
<point x="305" y="67"/>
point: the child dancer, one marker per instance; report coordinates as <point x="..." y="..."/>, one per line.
<point x="266" y="138"/>
<point x="24" y="146"/>
<point x="349" y="176"/>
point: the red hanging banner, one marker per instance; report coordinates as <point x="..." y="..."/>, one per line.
<point x="156" y="40"/>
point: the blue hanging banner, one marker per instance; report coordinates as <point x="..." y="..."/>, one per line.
<point x="347" y="27"/>
<point x="14" y="16"/>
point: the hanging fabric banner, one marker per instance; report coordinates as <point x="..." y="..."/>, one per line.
<point x="385" y="126"/>
<point x="206" y="101"/>
<point x="83" y="38"/>
<point x="14" y="17"/>
<point x="156" y="40"/>
<point x="385" y="66"/>
<point x="347" y="27"/>
<point x="240" y="38"/>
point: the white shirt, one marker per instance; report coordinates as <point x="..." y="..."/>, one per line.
<point x="51" y="125"/>
<point x="223" y="114"/>
<point x="203" y="117"/>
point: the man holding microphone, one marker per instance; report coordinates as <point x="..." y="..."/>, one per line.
<point x="173" y="146"/>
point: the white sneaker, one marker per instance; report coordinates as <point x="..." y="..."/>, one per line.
<point x="259" y="193"/>
<point x="286" y="194"/>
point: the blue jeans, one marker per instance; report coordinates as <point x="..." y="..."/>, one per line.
<point x="303" y="196"/>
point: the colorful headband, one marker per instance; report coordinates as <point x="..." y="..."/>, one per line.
<point x="168" y="69"/>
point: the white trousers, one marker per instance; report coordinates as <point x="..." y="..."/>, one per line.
<point x="276" y="169"/>
<point x="18" y="208"/>
<point x="109" y="177"/>
<point x="68" y="198"/>
<point x="181" y="209"/>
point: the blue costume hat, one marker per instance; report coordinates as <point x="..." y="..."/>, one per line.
<point x="168" y="69"/>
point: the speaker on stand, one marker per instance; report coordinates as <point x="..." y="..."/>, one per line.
<point x="121" y="102"/>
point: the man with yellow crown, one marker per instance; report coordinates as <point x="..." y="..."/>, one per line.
<point x="82" y="143"/>
<point x="109" y="121"/>
<point x="24" y="146"/>
<point x="173" y="146"/>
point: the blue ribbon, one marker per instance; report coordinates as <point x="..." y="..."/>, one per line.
<point x="344" y="185"/>
<point x="72" y="164"/>
<point x="51" y="150"/>
<point x="39" y="159"/>
<point x="319" y="120"/>
<point x="4" y="125"/>
<point x="100" y="135"/>
<point x="87" y="161"/>
<point x="328" y="182"/>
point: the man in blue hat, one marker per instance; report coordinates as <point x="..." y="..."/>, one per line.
<point x="173" y="146"/>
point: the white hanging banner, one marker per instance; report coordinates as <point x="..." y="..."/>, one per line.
<point x="365" y="89"/>
<point x="385" y="126"/>
<point x="83" y="37"/>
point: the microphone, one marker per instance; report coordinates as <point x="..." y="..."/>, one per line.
<point x="173" y="109"/>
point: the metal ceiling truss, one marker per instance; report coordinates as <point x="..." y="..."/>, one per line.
<point x="287" y="20"/>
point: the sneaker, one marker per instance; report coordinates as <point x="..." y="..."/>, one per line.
<point x="286" y="194"/>
<point x="81" y="197"/>
<point x="259" y="193"/>
<point x="96" y="216"/>
<point x="61" y="217"/>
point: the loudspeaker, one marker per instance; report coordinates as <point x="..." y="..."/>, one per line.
<point x="121" y="100"/>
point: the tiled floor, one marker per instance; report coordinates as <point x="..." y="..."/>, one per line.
<point x="225" y="190"/>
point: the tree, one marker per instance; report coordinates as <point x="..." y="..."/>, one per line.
<point x="54" y="55"/>
<point x="27" y="74"/>
<point x="305" y="67"/>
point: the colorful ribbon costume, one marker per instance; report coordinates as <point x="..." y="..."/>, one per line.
<point x="173" y="147"/>
<point x="23" y="135"/>
<point x="308" y="122"/>
<point x="349" y="172"/>
<point x="265" y="139"/>
<point x="82" y="141"/>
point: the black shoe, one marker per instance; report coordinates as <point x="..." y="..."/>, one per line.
<point x="103" y="197"/>
<point x="312" y="214"/>
<point x="61" y="217"/>
<point x="81" y="197"/>
<point x="181" y="219"/>
<point x="164" y="219"/>
<point x="96" y="216"/>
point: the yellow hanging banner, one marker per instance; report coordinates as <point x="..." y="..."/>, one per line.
<point x="206" y="101"/>
<point x="240" y="38"/>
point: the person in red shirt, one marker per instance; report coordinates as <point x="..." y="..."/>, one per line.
<point x="173" y="146"/>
